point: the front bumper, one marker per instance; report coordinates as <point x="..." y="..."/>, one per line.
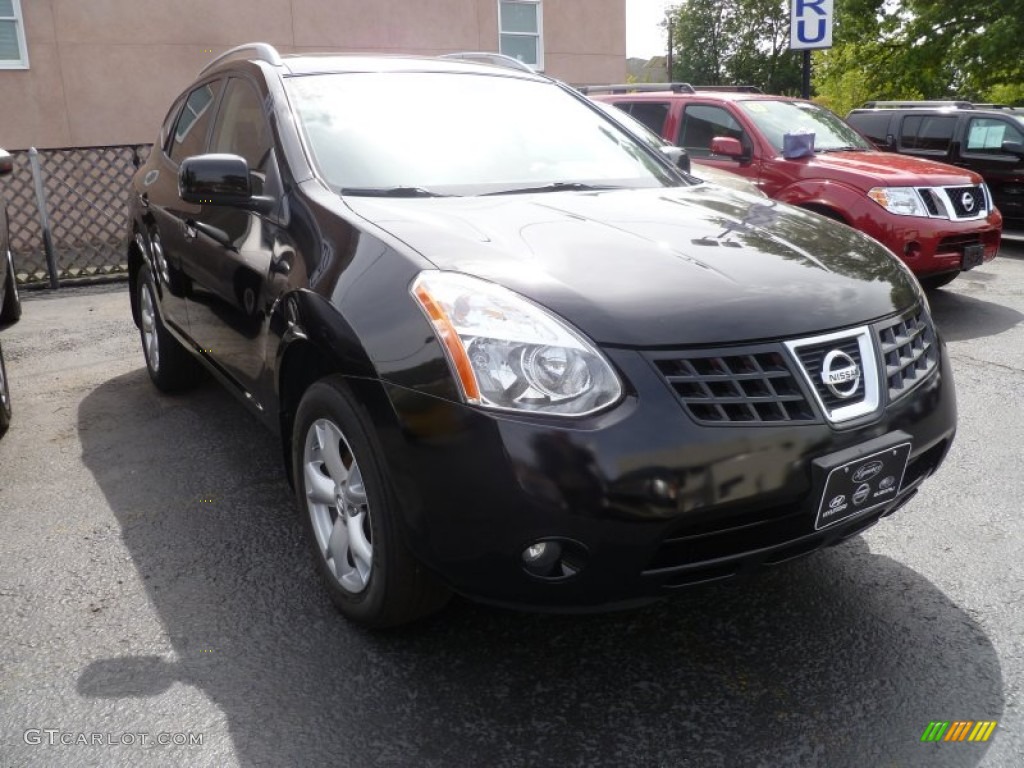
<point x="931" y="246"/>
<point x="643" y="498"/>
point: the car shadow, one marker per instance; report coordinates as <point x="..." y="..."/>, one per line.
<point x="842" y="658"/>
<point x="961" y="317"/>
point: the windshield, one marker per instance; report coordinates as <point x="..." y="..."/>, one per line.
<point x="777" y="118"/>
<point x="440" y="133"/>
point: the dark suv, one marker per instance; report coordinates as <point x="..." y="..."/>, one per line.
<point x="10" y="302"/>
<point x="509" y="348"/>
<point x="938" y="218"/>
<point x="987" y="139"/>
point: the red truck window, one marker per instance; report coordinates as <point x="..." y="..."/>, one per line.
<point x="701" y="124"/>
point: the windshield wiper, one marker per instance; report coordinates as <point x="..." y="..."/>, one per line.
<point x="389" y="192"/>
<point x="842" y="149"/>
<point x="554" y="186"/>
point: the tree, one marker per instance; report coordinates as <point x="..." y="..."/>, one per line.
<point x="922" y="49"/>
<point x="735" y="42"/>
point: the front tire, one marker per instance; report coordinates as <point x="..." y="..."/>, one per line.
<point x="12" y="300"/>
<point x="351" y="515"/>
<point x="5" y="397"/>
<point x="170" y="365"/>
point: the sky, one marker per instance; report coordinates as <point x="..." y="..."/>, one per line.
<point x="644" y="38"/>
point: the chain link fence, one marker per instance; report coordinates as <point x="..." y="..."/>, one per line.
<point x="68" y="211"/>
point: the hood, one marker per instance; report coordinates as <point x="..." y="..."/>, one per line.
<point x="864" y="170"/>
<point x="659" y="267"/>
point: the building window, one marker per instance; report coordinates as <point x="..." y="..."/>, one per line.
<point x="521" y="31"/>
<point x="13" y="53"/>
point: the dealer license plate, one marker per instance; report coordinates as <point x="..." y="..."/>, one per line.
<point x="862" y="484"/>
<point x="974" y="256"/>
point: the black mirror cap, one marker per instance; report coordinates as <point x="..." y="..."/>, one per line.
<point x="6" y="162"/>
<point x="1014" y="148"/>
<point x="217" y="179"/>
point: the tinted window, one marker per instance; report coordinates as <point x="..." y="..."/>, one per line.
<point x="650" y="113"/>
<point x="930" y="133"/>
<point x="985" y="135"/>
<point x="702" y="123"/>
<point x="168" y="125"/>
<point x="241" y="128"/>
<point x="190" y="132"/>
<point x="875" y="127"/>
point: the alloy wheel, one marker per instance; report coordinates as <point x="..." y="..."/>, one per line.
<point x="337" y="505"/>
<point x="147" y="311"/>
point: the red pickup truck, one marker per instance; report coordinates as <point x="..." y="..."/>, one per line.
<point x="938" y="218"/>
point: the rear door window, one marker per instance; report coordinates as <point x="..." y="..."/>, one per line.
<point x="194" y="123"/>
<point x="650" y="113"/>
<point x="927" y="133"/>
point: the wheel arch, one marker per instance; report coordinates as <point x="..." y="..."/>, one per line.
<point x="822" y="196"/>
<point x="136" y="258"/>
<point x="318" y="343"/>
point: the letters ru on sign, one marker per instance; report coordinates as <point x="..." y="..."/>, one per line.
<point x="810" y="24"/>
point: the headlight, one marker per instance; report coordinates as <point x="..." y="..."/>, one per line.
<point x="904" y="201"/>
<point x="508" y="353"/>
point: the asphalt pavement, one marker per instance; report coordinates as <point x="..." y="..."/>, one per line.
<point x="158" y="606"/>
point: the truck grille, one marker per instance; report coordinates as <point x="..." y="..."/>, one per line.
<point x="967" y="202"/>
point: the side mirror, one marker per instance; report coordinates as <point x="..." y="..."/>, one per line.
<point x="6" y="162"/>
<point x="1014" y="148"/>
<point x="219" y="180"/>
<point x="728" y="146"/>
<point x="678" y="156"/>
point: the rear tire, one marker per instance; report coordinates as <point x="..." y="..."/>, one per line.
<point x="12" y="301"/>
<point x="170" y="365"/>
<point x="934" y="282"/>
<point x="351" y="514"/>
<point x="5" y="397"/>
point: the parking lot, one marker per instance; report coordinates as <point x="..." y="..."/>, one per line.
<point x="155" y="587"/>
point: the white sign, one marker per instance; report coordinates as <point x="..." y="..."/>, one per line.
<point x="810" y="24"/>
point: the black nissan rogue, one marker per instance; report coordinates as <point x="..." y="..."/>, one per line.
<point x="510" y="350"/>
<point x="10" y="302"/>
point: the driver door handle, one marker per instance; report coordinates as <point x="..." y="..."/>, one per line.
<point x="190" y="230"/>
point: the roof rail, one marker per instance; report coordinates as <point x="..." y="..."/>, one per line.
<point x="494" y="59"/>
<point x="729" y="88"/>
<point x="916" y="104"/>
<point x="636" y="88"/>
<point x="262" y="51"/>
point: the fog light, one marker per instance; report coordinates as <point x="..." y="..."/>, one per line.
<point x="554" y="560"/>
<point x="535" y="551"/>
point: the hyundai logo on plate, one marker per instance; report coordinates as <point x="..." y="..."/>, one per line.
<point x="840" y="373"/>
<point x="867" y="471"/>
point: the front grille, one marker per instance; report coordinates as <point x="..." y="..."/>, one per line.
<point x="743" y="386"/>
<point x="813" y="357"/>
<point x="967" y="202"/>
<point x="910" y="352"/>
